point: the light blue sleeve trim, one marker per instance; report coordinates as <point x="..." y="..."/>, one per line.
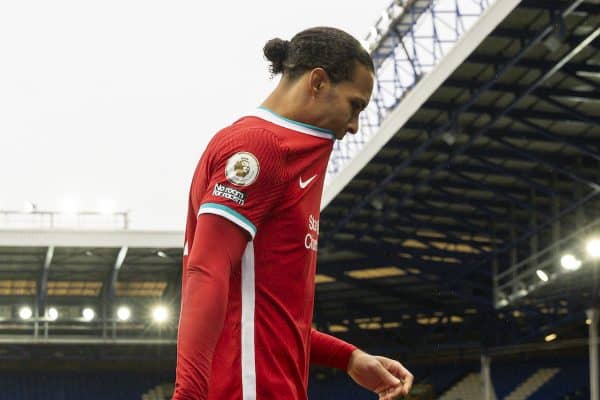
<point x="230" y="214"/>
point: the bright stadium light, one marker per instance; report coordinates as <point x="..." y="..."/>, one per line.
<point x="52" y="314"/>
<point x="25" y="312"/>
<point x="588" y="321"/>
<point x="123" y="313"/>
<point x="542" y="275"/>
<point x="551" y="337"/>
<point x="522" y="290"/>
<point x="160" y="314"/>
<point x="593" y="248"/>
<point x="570" y="262"/>
<point x="88" y="314"/>
<point x="161" y="254"/>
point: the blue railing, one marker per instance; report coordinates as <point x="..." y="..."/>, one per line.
<point x="406" y="42"/>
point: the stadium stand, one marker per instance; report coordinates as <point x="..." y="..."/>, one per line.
<point x="468" y="388"/>
<point x="531" y="378"/>
<point x="74" y="385"/>
<point x="533" y="384"/>
<point x="570" y="378"/>
<point x="507" y="378"/>
<point x="443" y="378"/>
<point x="582" y="393"/>
<point x="164" y="391"/>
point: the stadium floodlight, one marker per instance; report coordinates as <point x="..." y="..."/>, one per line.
<point x="593" y="248"/>
<point x="570" y="262"/>
<point x="551" y="337"/>
<point x="25" y="312"/>
<point x="160" y="314"/>
<point x="542" y="275"/>
<point x="88" y="314"/>
<point x="52" y="314"/>
<point x="123" y="313"/>
<point x="522" y="290"/>
<point x="161" y="254"/>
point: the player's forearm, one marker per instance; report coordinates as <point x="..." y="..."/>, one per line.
<point x="329" y="351"/>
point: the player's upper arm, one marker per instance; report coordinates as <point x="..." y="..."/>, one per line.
<point x="218" y="244"/>
<point x="247" y="178"/>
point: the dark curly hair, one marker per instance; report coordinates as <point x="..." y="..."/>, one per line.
<point x="329" y="48"/>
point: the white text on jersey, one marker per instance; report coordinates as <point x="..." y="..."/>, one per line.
<point x="311" y="240"/>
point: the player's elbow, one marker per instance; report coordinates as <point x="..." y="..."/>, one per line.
<point x="183" y="394"/>
<point x="214" y="272"/>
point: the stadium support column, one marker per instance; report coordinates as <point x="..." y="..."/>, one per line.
<point x="486" y="377"/>
<point x="593" y="314"/>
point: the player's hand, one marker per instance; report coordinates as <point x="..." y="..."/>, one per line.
<point x="384" y="376"/>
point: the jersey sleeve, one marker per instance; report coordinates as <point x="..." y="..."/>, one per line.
<point x="246" y="177"/>
<point x="216" y="252"/>
<point x="329" y="351"/>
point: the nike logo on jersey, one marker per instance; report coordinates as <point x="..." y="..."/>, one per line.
<point x="304" y="184"/>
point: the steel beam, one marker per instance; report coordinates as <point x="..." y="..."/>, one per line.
<point x="557" y="5"/>
<point x="110" y="289"/>
<point x="469" y="103"/>
<point x="512" y="88"/>
<point x="531" y="64"/>
<point x="546" y="163"/>
<point x="553" y="116"/>
<point x="43" y="282"/>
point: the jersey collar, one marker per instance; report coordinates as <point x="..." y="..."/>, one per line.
<point x="268" y="115"/>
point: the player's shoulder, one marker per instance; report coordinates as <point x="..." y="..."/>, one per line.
<point x="247" y="133"/>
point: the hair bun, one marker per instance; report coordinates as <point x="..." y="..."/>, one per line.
<point x="276" y="51"/>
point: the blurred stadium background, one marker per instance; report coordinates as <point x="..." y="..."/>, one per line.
<point x="460" y="229"/>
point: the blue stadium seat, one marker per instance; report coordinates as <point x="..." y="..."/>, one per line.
<point x="507" y="378"/>
<point x="572" y="376"/>
<point x="74" y="386"/>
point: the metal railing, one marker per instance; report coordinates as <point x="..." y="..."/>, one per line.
<point x="58" y="220"/>
<point x="406" y="42"/>
<point x="521" y="279"/>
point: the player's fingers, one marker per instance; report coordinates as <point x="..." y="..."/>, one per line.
<point x="400" y="372"/>
<point x="387" y="381"/>
<point x="407" y="383"/>
<point x="392" y="393"/>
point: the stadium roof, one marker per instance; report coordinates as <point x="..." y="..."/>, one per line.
<point x="499" y="163"/>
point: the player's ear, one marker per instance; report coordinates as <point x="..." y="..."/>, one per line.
<point x="318" y="79"/>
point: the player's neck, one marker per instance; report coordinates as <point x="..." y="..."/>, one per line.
<point x="286" y="102"/>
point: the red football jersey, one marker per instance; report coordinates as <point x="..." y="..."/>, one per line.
<point x="265" y="173"/>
